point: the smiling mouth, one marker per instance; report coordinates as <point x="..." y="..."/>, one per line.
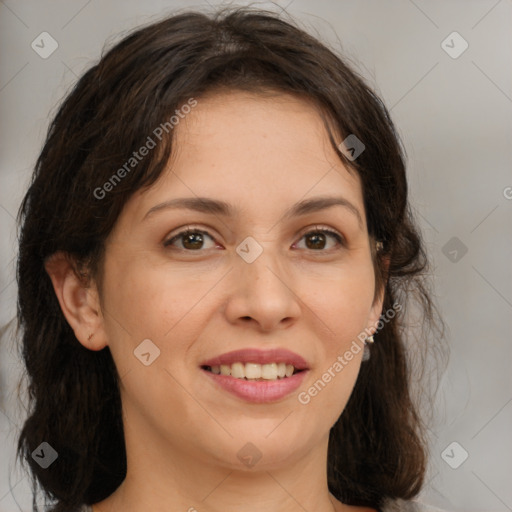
<point x="254" y="371"/>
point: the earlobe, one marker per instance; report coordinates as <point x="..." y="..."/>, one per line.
<point x="78" y="301"/>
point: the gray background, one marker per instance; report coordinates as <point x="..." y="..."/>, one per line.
<point x="454" y="115"/>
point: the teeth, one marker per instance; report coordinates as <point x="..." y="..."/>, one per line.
<point x="254" y="371"/>
<point x="269" y="371"/>
<point x="238" y="370"/>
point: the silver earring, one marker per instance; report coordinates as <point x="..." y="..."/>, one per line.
<point x="366" y="351"/>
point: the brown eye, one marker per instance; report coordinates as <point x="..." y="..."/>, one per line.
<point x="191" y="239"/>
<point x="317" y="240"/>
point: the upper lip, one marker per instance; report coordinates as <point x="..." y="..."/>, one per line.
<point x="258" y="356"/>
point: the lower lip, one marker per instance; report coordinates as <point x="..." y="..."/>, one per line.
<point x="259" y="391"/>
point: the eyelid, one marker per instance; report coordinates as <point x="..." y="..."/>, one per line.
<point x="319" y="227"/>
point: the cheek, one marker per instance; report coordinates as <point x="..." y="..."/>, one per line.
<point x="343" y="301"/>
<point x="153" y="302"/>
<point x="149" y="300"/>
<point x="341" y="307"/>
<point x="144" y="302"/>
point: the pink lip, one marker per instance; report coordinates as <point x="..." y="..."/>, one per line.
<point x="258" y="391"/>
<point x="258" y="356"/>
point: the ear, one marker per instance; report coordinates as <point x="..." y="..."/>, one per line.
<point x="378" y="302"/>
<point x="79" y="301"/>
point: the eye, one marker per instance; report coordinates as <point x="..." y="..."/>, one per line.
<point x="191" y="239"/>
<point x="316" y="239"/>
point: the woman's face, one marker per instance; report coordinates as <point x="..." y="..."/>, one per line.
<point x="261" y="279"/>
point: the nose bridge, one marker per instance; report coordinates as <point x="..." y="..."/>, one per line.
<point x="259" y="263"/>
<point x="263" y="288"/>
<point x="261" y="272"/>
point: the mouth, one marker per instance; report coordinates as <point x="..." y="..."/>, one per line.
<point x="254" y="371"/>
<point x="255" y="375"/>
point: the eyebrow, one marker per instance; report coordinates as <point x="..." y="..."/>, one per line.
<point x="217" y="207"/>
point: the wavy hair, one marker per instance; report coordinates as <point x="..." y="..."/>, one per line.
<point x="377" y="449"/>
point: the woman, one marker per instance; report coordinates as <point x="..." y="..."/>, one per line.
<point x="216" y="256"/>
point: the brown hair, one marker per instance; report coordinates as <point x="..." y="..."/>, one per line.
<point x="377" y="448"/>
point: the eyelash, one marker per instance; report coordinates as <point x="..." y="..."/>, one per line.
<point x="339" y="238"/>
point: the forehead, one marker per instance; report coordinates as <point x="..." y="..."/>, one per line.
<point x="235" y="146"/>
<point x="241" y="123"/>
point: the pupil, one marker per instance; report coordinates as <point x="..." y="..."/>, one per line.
<point x="317" y="237"/>
<point x="193" y="238"/>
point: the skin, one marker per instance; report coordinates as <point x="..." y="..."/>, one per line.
<point x="262" y="154"/>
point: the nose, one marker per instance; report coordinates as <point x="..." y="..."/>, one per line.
<point x="262" y="294"/>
